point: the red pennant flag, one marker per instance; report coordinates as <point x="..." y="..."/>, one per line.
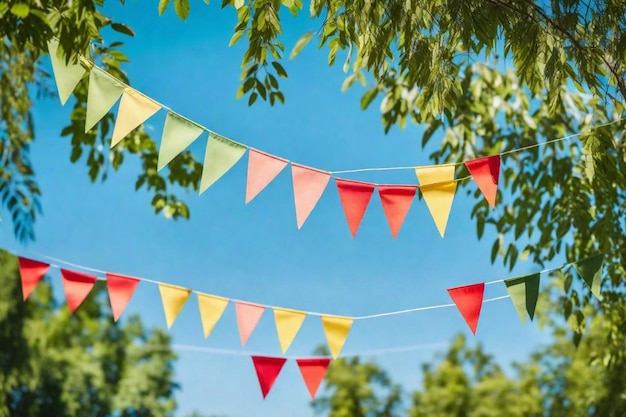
<point x="121" y="290"/>
<point x="77" y="286"/>
<point x="31" y="272"/>
<point x="262" y="169"/>
<point x="248" y="316"/>
<point x="308" y="186"/>
<point x="355" y="196"/>
<point x="486" y="172"/>
<point x="267" y="370"/>
<point x="396" y="201"/>
<point x="313" y="371"/>
<point x="469" y="301"/>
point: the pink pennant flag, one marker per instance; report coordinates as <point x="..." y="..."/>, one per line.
<point x="77" y="287"/>
<point x="308" y="186"/>
<point x="355" y="196"/>
<point x="267" y="370"/>
<point x="396" y="201"/>
<point x="262" y="169"/>
<point x="313" y="371"/>
<point x="486" y="172"/>
<point x="31" y="273"/>
<point x="248" y="316"/>
<point x="121" y="290"/>
<point x="469" y="301"/>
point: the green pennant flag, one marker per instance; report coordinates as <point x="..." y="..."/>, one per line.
<point x="220" y="156"/>
<point x="524" y="292"/>
<point x="590" y="270"/>
<point x="178" y="134"/>
<point x="104" y="91"/>
<point x="65" y="76"/>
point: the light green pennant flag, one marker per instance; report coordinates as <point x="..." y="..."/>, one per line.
<point x="524" y="292"/>
<point x="65" y="76"/>
<point x="590" y="270"/>
<point x="220" y="156"/>
<point x="104" y="91"/>
<point x="178" y="134"/>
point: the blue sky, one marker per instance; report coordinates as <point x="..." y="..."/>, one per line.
<point x="255" y="252"/>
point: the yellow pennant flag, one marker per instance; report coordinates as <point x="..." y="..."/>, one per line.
<point x="211" y="310"/>
<point x="135" y="108"/>
<point x="288" y="323"/>
<point x="66" y="76"/>
<point x="104" y="91"/>
<point x="438" y="187"/>
<point x="336" y="330"/>
<point x="173" y="298"/>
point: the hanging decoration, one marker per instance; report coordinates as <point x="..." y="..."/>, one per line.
<point x="121" y="290"/>
<point x="524" y="292"/>
<point x="288" y="323"/>
<point x="211" y="309"/>
<point x="355" y="196"/>
<point x="248" y="316"/>
<point x="396" y="201"/>
<point x="262" y="169"/>
<point x="77" y="287"/>
<point x="174" y="299"/>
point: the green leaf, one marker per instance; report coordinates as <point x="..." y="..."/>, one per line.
<point x="122" y="28"/>
<point x="236" y="36"/>
<point x="279" y="69"/>
<point x="238" y="3"/>
<point x="252" y="98"/>
<point x="181" y="7"/>
<point x="368" y="97"/>
<point x="163" y="5"/>
<point x="302" y="42"/>
<point x="20" y="10"/>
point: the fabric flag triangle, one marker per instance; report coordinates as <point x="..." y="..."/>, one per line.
<point x="248" y="316"/>
<point x="104" y="91"/>
<point x="486" y="172"/>
<point x="308" y="186"/>
<point x="178" y="134"/>
<point x="396" y="201"/>
<point x="121" y="290"/>
<point x="336" y="330"/>
<point x="262" y="169"/>
<point x="590" y="270"/>
<point x="469" y="301"/>
<point x="288" y="323"/>
<point x="135" y="108"/>
<point x="313" y="371"/>
<point x="524" y="292"/>
<point x="355" y="196"/>
<point x="438" y="187"/>
<point x="211" y="310"/>
<point x="31" y="273"/>
<point x="220" y="156"/>
<point x="173" y="299"/>
<point x="77" y="287"/>
<point x="267" y="370"/>
<point x="66" y="76"/>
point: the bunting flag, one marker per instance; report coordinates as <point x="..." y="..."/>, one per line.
<point x="173" y="299"/>
<point x="77" y="287"/>
<point x="469" y="301"/>
<point x="104" y="91"/>
<point x="262" y="169"/>
<point x="524" y="292"/>
<point x="438" y="187"/>
<point x="121" y="290"/>
<point x="66" y="76"/>
<point x="135" y="109"/>
<point x="313" y="371"/>
<point x="486" y="172"/>
<point x="31" y="273"/>
<point x="336" y="330"/>
<point x="396" y="201"/>
<point x="220" y="156"/>
<point x="211" y="310"/>
<point x="178" y="134"/>
<point x="590" y="270"/>
<point x="355" y="196"/>
<point x="308" y="186"/>
<point x="248" y="316"/>
<point x="288" y="323"/>
<point x="267" y="370"/>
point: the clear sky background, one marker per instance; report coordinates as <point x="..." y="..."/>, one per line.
<point x="256" y="252"/>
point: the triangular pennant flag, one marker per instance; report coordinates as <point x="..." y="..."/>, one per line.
<point x="104" y="91"/>
<point x="486" y="172"/>
<point x="396" y="201"/>
<point x="262" y="169"/>
<point x="135" y="108"/>
<point x="524" y="292"/>
<point x="220" y="156"/>
<point x="469" y="301"/>
<point x="121" y="290"/>
<point x="173" y="299"/>
<point x="313" y="371"/>
<point x="308" y="186"/>
<point x="267" y="370"/>
<point x="66" y="76"/>
<point x="438" y="187"/>
<point x="77" y="287"/>
<point x="336" y="330"/>
<point x="31" y="273"/>
<point x="248" y="316"/>
<point x="355" y="196"/>
<point x="288" y="323"/>
<point x="178" y="134"/>
<point x="590" y="270"/>
<point x="211" y="310"/>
